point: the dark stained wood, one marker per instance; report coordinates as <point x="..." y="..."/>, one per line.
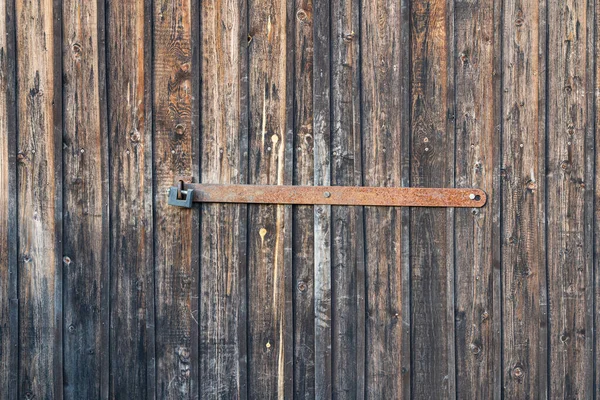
<point x="381" y="41"/>
<point x="432" y="159"/>
<point x="224" y="137"/>
<point x="39" y="180"/>
<point x="104" y="103"/>
<point x="322" y="213"/>
<point x="477" y="159"/>
<point x="569" y="251"/>
<point x="129" y="60"/>
<point x="347" y="258"/>
<point x="270" y="335"/>
<point x="523" y="201"/>
<point x="176" y="240"/>
<point x="9" y="323"/>
<point x="86" y="229"/>
<point x="303" y="249"/>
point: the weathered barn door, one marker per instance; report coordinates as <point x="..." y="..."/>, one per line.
<point x="107" y="291"/>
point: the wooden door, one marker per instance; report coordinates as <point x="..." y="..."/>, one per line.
<point x="106" y="291"/>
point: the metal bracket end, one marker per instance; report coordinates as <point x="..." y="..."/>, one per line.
<point x="186" y="202"/>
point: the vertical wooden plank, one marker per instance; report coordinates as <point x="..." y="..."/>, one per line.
<point x="303" y="216"/>
<point x="322" y="213"/>
<point x="523" y="200"/>
<point x="269" y="227"/>
<point x="40" y="198"/>
<point x="9" y="323"/>
<point x="383" y="112"/>
<point x="432" y="158"/>
<point x="131" y="229"/>
<point x="477" y="158"/>
<point x="86" y="218"/>
<point x="347" y="258"/>
<point x="176" y="239"/>
<point x="570" y="125"/>
<point x="224" y="138"/>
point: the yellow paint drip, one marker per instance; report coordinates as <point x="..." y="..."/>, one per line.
<point x="262" y="234"/>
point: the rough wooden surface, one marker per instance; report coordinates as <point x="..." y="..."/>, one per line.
<point x="39" y="180"/>
<point x="432" y="164"/>
<point x="569" y="248"/>
<point x="9" y="313"/>
<point x="85" y="238"/>
<point x="224" y="147"/>
<point x="108" y="292"/>
<point x="322" y="213"/>
<point x="303" y="216"/>
<point x="271" y="56"/>
<point x="347" y="246"/>
<point x="176" y="137"/>
<point x="523" y="202"/>
<point x="382" y="150"/>
<point x="477" y="160"/>
<point x="132" y="330"/>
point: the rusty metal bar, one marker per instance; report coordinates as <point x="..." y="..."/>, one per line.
<point x="332" y="195"/>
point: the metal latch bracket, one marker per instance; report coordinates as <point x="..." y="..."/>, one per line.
<point x="186" y="192"/>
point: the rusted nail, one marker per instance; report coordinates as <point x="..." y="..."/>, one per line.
<point x="67" y="260"/>
<point x="302" y="286"/>
<point x="517" y="372"/>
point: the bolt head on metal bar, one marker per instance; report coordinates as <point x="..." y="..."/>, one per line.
<point x="329" y="195"/>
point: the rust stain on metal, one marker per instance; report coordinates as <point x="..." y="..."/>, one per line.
<point x="338" y="195"/>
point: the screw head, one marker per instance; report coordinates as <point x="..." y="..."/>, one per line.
<point x="327" y="194"/>
<point x="472" y="196"/>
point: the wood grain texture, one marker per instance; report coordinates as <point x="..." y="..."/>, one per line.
<point x="432" y="164"/>
<point x="39" y="199"/>
<point x="270" y="335"/>
<point x="477" y="159"/>
<point x="224" y="138"/>
<point x="347" y="258"/>
<point x="570" y="279"/>
<point x="381" y="41"/>
<point x="86" y="218"/>
<point x="129" y="61"/>
<point x="176" y="240"/>
<point x="104" y="103"/>
<point x="303" y="249"/>
<point x="322" y="213"/>
<point x="9" y="322"/>
<point x="523" y="201"/>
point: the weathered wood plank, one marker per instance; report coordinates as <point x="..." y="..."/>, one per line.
<point x="432" y="157"/>
<point x="269" y="229"/>
<point x="477" y="159"/>
<point x="523" y="201"/>
<point x="347" y="258"/>
<point x="86" y="217"/>
<point x="224" y="138"/>
<point x="569" y="249"/>
<point x="39" y="183"/>
<point x="322" y="213"/>
<point x="303" y="216"/>
<point x="381" y="41"/>
<point x="129" y="61"/>
<point x="9" y="317"/>
<point x="176" y="239"/>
